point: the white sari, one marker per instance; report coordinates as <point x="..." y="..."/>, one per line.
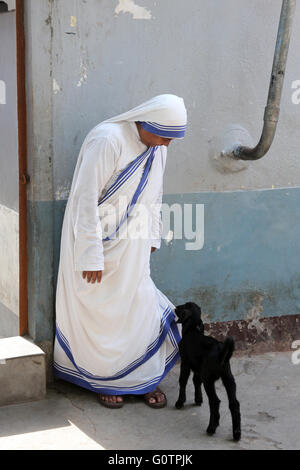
<point x="119" y="336"/>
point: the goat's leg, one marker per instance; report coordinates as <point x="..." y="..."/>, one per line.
<point x="197" y="384"/>
<point x="234" y="406"/>
<point x="214" y="405"/>
<point x="183" y="379"/>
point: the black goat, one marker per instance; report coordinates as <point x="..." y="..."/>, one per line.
<point x="209" y="361"/>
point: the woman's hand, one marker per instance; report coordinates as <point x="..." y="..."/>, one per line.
<point x="92" y="276"/>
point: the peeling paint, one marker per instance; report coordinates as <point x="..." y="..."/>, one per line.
<point x="56" y="87"/>
<point x="62" y="193"/>
<point x="73" y="22"/>
<point x="138" y="13"/>
<point x="2" y="92"/>
<point x="254" y="314"/>
<point x="274" y="334"/>
<point x="84" y="76"/>
<point x="169" y="237"/>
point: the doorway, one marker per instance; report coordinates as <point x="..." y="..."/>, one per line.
<point x="12" y="277"/>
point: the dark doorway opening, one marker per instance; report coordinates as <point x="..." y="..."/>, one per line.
<point x="3" y="7"/>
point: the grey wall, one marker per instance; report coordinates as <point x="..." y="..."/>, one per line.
<point x="217" y="55"/>
<point x="9" y="222"/>
<point x="88" y="60"/>
<point x="92" y="63"/>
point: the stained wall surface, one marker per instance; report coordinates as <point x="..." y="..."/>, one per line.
<point x="89" y="60"/>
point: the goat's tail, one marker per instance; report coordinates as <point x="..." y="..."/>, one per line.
<point x="227" y="350"/>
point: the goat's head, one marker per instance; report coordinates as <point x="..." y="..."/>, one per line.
<point x="189" y="315"/>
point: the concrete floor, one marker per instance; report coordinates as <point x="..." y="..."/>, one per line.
<point x="268" y="389"/>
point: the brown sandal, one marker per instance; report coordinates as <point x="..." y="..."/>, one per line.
<point x="153" y="394"/>
<point x="110" y="404"/>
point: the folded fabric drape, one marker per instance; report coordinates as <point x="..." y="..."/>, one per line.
<point x="119" y="336"/>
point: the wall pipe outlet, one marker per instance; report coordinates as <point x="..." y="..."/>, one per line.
<point x="272" y="109"/>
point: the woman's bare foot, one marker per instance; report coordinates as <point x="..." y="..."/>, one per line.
<point x="111" y="401"/>
<point x="155" y="399"/>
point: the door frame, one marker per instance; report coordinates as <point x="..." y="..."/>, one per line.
<point x="23" y="176"/>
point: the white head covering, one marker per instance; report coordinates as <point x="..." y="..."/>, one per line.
<point x="163" y="115"/>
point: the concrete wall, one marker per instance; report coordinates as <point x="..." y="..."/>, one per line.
<point x="96" y="59"/>
<point x="40" y="156"/>
<point x="9" y="203"/>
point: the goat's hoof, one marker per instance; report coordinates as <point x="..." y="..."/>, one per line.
<point x="179" y="405"/>
<point x="210" y="431"/>
<point x="198" y="402"/>
<point x="237" y="435"/>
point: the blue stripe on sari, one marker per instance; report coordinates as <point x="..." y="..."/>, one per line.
<point x="74" y="377"/>
<point x="167" y="324"/>
<point x="124" y="177"/>
<point x="171" y="132"/>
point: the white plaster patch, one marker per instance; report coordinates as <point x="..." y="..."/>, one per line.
<point x="169" y="237"/>
<point x="2" y="92"/>
<point x="225" y="161"/>
<point x="62" y="193"/>
<point x="256" y="310"/>
<point x="254" y="314"/>
<point x="138" y="13"/>
<point x="56" y="87"/>
<point x="84" y="76"/>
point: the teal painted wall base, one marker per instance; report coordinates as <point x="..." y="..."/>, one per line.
<point x="249" y="266"/>
<point x="40" y="270"/>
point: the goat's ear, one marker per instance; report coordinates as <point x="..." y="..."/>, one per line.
<point x="185" y="316"/>
<point x="197" y="309"/>
<point x="201" y="327"/>
<point x="194" y="308"/>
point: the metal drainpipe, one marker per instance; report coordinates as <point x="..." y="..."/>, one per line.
<point x="272" y="109"/>
<point x="23" y="177"/>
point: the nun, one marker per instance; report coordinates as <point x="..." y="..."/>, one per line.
<point x="116" y="332"/>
